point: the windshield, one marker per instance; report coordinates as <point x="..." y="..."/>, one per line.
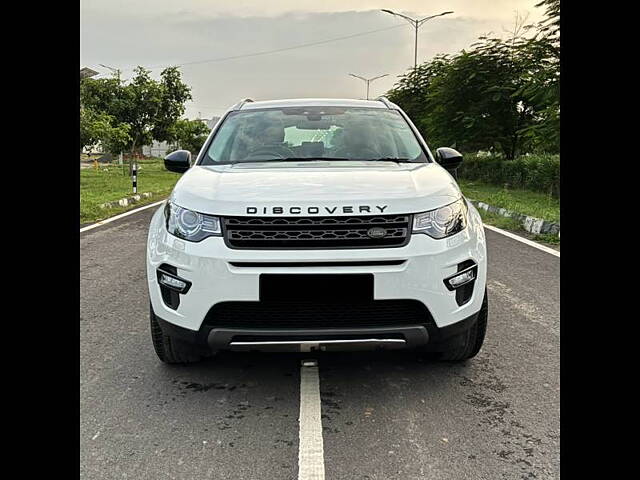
<point x="313" y="133"/>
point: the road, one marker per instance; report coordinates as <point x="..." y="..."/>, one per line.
<point x="384" y="415"/>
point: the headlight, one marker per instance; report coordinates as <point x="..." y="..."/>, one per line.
<point x="190" y="225"/>
<point x="442" y="222"/>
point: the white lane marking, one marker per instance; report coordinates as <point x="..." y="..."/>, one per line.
<point x="125" y="214"/>
<point x="523" y="240"/>
<point x="310" y="449"/>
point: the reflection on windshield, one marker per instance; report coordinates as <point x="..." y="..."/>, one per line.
<point x="314" y="133"/>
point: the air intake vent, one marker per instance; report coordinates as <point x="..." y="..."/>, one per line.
<point x="318" y="314"/>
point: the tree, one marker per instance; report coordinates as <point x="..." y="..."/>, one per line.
<point x="189" y="134"/>
<point x="90" y="128"/>
<point x="551" y="25"/>
<point x="102" y="95"/>
<point x="542" y="87"/>
<point x="467" y="99"/>
<point x="173" y="95"/>
<point x="117" y="138"/>
<point x="140" y="106"/>
<point x="98" y="128"/>
<point x="501" y="94"/>
<point x="411" y="90"/>
<point x="149" y="107"/>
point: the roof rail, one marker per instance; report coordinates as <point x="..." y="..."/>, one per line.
<point x="386" y="101"/>
<point x="241" y="103"/>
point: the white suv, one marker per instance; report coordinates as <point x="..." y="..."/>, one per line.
<point x="316" y="224"/>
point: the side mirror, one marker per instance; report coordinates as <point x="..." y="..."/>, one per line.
<point x="449" y="158"/>
<point x="178" y="161"/>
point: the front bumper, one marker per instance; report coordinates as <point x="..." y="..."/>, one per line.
<point x="208" y="266"/>
<point x="211" y="339"/>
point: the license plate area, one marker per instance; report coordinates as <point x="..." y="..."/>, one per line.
<point x="352" y="287"/>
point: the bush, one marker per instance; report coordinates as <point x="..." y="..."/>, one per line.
<point x="540" y="173"/>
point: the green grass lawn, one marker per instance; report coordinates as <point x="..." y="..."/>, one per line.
<point x="520" y="201"/>
<point x="526" y="202"/>
<point x="109" y="184"/>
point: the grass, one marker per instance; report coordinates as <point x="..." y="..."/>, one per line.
<point x="526" y="202"/>
<point x="108" y="183"/>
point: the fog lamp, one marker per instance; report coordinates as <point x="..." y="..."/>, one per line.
<point x="172" y="282"/>
<point x="461" y="278"/>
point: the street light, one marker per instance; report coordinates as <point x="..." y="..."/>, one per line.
<point x="368" y="80"/>
<point x="416" y="24"/>
<point x="114" y="70"/>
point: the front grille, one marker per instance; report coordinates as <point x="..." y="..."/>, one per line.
<point x="318" y="314"/>
<point x="315" y="232"/>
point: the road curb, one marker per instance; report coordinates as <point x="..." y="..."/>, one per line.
<point x="530" y="224"/>
<point x="119" y="216"/>
<point x="125" y="202"/>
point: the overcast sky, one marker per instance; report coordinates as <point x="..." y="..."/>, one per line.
<point x="157" y="33"/>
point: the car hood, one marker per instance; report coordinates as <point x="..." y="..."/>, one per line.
<point x="315" y="188"/>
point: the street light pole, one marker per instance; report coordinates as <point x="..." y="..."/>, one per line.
<point x="368" y="80"/>
<point x="416" y="24"/>
<point x="114" y="70"/>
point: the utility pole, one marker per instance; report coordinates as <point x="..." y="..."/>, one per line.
<point x="368" y="80"/>
<point x="416" y="24"/>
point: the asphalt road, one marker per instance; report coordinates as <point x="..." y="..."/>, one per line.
<point x="384" y="415"/>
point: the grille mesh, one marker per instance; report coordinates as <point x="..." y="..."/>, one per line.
<point x="315" y="232"/>
<point x="313" y="314"/>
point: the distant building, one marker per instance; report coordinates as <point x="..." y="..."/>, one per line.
<point x="87" y="72"/>
<point x="157" y="149"/>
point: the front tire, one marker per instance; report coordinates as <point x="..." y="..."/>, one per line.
<point x="168" y="348"/>
<point x="472" y="339"/>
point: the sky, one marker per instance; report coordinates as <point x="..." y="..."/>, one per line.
<point x="157" y="33"/>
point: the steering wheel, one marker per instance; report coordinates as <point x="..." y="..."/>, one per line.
<point x="275" y="150"/>
<point x="362" y="152"/>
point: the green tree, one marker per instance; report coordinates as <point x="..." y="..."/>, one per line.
<point x="501" y="94"/>
<point x="102" y="95"/>
<point x="149" y="107"/>
<point x="173" y="96"/>
<point x="467" y="99"/>
<point x="98" y="128"/>
<point x="551" y="25"/>
<point x="117" y="138"/>
<point x="411" y="90"/>
<point x="189" y="134"/>
<point x="542" y="81"/>
<point x="140" y="107"/>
